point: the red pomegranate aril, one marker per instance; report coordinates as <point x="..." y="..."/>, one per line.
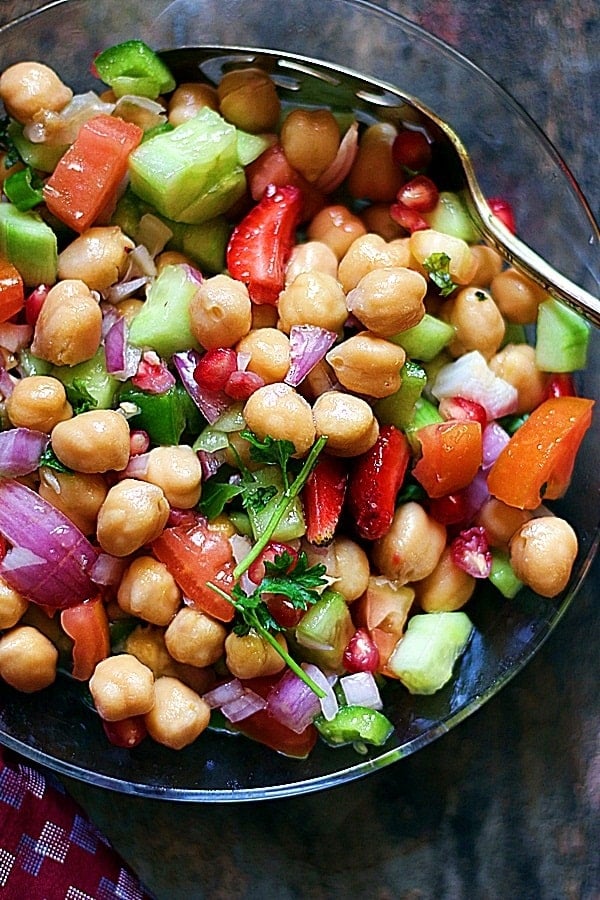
<point x="561" y="384"/>
<point x="361" y="653"/>
<point x="412" y="150"/>
<point x="139" y="442"/>
<point x="34" y="303"/>
<point x="256" y="572"/>
<point x="420" y="194"/>
<point x="241" y="385"/>
<point x="503" y="211"/>
<point x="470" y="552"/>
<point x="410" y="219"/>
<point x="215" y="368"/>
<point x="462" y="410"/>
<point x="127" y="733"/>
<point x="283" y="610"/>
<point x="451" y="509"/>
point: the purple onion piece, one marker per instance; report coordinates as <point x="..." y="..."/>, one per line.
<point x="210" y="403"/>
<point x="308" y="346"/>
<point x="122" y="360"/>
<point x="293" y="703"/>
<point x="20" y="451"/>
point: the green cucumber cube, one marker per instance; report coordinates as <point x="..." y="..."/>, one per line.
<point x="423" y="659"/>
<point x="29" y="244"/>
<point x="163" y="323"/>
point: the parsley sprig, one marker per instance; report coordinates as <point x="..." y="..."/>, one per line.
<point x="438" y="267"/>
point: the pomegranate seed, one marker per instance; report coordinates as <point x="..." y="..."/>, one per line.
<point x="34" y="303"/>
<point x="503" y="211"/>
<point x="139" y="442"/>
<point x="153" y="375"/>
<point x="361" y="653"/>
<point x="420" y="194"/>
<point x="462" y="410"/>
<point x="215" y="368"/>
<point x="408" y="218"/>
<point x="256" y="572"/>
<point x="126" y="733"/>
<point x="561" y="384"/>
<point x="240" y="385"/>
<point x="186" y="518"/>
<point x="283" y="610"/>
<point x="3" y="548"/>
<point x="412" y="150"/>
<point x="451" y="509"/>
<point x="471" y="553"/>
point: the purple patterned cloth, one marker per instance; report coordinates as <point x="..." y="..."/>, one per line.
<point x="49" y="849"/>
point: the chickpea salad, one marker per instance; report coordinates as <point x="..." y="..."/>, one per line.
<point x="270" y="410"/>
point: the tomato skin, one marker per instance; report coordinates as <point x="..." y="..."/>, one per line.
<point x="262" y="727"/>
<point x="12" y="291"/>
<point x="127" y="733"/>
<point x="195" y="556"/>
<point x="451" y="454"/>
<point x="541" y="452"/>
<point x="87" y="625"/>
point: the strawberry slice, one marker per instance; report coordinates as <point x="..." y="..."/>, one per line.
<point x="260" y="245"/>
<point x="323" y="499"/>
<point x="375" y="481"/>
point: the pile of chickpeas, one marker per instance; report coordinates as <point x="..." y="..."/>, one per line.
<point x="357" y="267"/>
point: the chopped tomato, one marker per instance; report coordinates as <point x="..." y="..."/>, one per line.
<point x="194" y="557"/>
<point x="382" y="611"/>
<point x="87" y="625"/>
<point x="537" y="463"/>
<point x="272" y="167"/>
<point x="12" y="292"/>
<point x="451" y="454"/>
<point x="127" y="733"/>
<point x="87" y="179"/>
<point x="262" y="727"/>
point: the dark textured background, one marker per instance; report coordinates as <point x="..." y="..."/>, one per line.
<point x="508" y="804"/>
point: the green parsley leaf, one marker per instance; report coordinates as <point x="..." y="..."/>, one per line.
<point x="438" y="267"/>
<point x="50" y="460"/>
<point x="216" y="495"/>
<point x="7" y="144"/>
<point x="270" y="451"/>
<point x="79" y="397"/>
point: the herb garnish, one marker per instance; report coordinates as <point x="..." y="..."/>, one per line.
<point x="438" y="267"/>
<point x="7" y="144"/>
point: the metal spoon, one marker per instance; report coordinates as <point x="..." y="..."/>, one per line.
<point x="304" y="80"/>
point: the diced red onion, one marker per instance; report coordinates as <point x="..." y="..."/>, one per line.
<point x="122" y="360"/>
<point x="292" y="702"/>
<point x="476" y="493"/>
<point x="152" y="374"/>
<point x="15" y="337"/>
<point x="50" y="559"/>
<point x="7" y="385"/>
<point x="470" y="376"/>
<point x="63" y="127"/>
<point x="210" y="403"/>
<point x="210" y="463"/>
<point x="153" y="234"/>
<point x="335" y="173"/>
<point x="249" y="703"/>
<point x="137" y="466"/>
<point x="360" y="689"/>
<point x="329" y="704"/>
<point x="20" y="451"/>
<point x="110" y="315"/>
<point x="308" y="346"/>
<point x="495" y="439"/>
<point x="140" y="262"/>
<point x="141" y="111"/>
<point x="108" y="570"/>
<point x="224" y="693"/>
<point x="124" y="289"/>
<point x="242" y="361"/>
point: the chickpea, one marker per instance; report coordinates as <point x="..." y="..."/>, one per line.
<point x="517" y="296"/>
<point x="28" y="659"/>
<point x="312" y="256"/>
<point x="177" y="471"/>
<point x="38" y="402"/>
<point x="336" y="227"/>
<point x="346" y="562"/>
<point x="489" y="264"/>
<point x="278" y="410"/>
<point x="462" y="265"/>
<point x="310" y="139"/>
<point x="133" y="514"/>
<point x="269" y="351"/>
<point x="29" y="88"/>
<point x="149" y="591"/>
<point x="129" y="308"/>
<point x="348" y="422"/>
<point x="313" y="298"/>
<point x="501" y="521"/>
<point x="178" y="716"/>
<point x="477" y="322"/>
<point x="445" y="589"/>
<point x="122" y="686"/>
<point x="12" y="605"/>
<point x="374" y="174"/>
<point x="264" y="315"/>
<point x="172" y="258"/>
<point x="147" y="643"/>
<point x="195" y="638"/>
<point x="188" y="99"/>
<point x="376" y="219"/>
<point x="388" y="301"/>
<point x="320" y="379"/>
<point x="93" y="441"/>
<point x="367" y="364"/>
<point x="248" y="98"/>
<point x="220" y="312"/>
<point x="98" y="257"/>
<point x="516" y="364"/>
<point x="412" y="548"/>
<point x="79" y="495"/>
<point x="367" y="252"/>
<point x="250" y="656"/>
<point x="542" y="553"/>
<point x="69" y="327"/>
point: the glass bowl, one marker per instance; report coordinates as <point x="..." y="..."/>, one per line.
<point x="54" y="728"/>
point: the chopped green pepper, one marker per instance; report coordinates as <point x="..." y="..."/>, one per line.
<point x="134" y="68"/>
<point x="352" y="724"/>
<point x="165" y="417"/>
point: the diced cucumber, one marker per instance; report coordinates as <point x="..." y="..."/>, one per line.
<point x="292" y="525"/>
<point x="502" y="575"/>
<point x="42" y="157"/>
<point x="250" y="146"/>
<point x="352" y="724"/>
<point x="423" y="659"/>
<point x="324" y="631"/>
<point x="451" y="216"/>
<point x="88" y="379"/>
<point x="163" y="323"/>
<point x="562" y="338"/>
<point x="192" y="173"/>
<point x="399" y="408"/>
<point x="425" y="340"/>
<point x="29" y="244"/>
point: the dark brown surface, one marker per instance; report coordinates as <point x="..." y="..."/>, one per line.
<point x="508" y="804"/>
